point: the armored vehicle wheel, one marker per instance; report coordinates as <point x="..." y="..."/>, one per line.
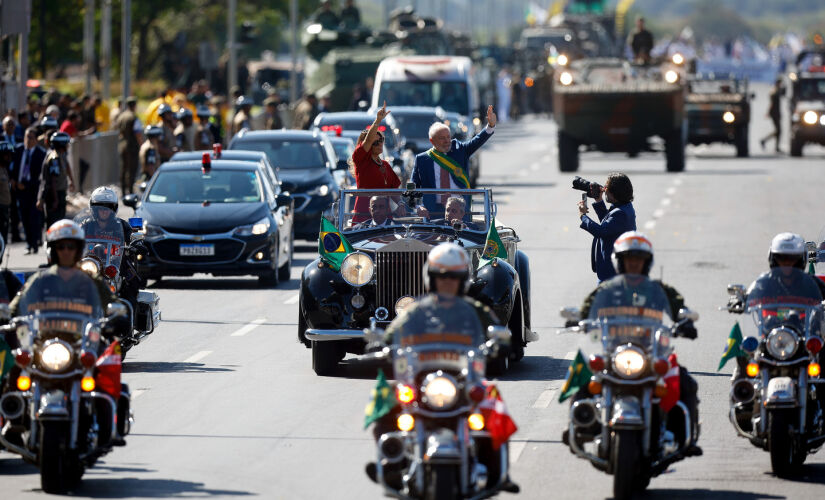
<point x="675" y="151"/>
<point x="325" y="357"/>
<point x="741" y="141"/>
<point x="568" y="153"/>
<point x="796" y="147"/>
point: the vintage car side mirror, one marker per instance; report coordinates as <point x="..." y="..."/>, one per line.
<point x="685" y="313"/>
<point x="570" y="313"/>
<point x="130" y="200"/>
<point x="341" y="165"/>
<point x="283" y="200"/>
<point x="737" y="290"/>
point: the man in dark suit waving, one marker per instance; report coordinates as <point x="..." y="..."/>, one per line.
<point x="446" y="164"/>
<point x="25" y="181"/>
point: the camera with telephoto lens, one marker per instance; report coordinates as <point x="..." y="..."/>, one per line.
<point x="593" y="189"/>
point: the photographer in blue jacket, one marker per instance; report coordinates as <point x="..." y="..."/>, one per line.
<point x="613" y="221"/>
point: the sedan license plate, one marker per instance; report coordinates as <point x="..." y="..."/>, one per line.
<point x="197" y="249"/>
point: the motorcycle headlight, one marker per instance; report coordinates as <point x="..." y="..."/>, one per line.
<point x="810" y="117"/>
<point x="439" y="390"/>
<point x="782" y="343"/>
<point x="260" y="227"/>
<point x="728" y="117"/>
<point x="628" y="361"/>
<point x="55" y="357"/>
<point x="90" y="267"/>
<point x="566" y="78"/>
<point x="562" y="60"/>
<point x="357" y="269"/>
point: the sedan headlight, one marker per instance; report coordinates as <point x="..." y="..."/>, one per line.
<point x="566" y="78"/>
<point x="728" y="117"/>
<point x="55" y="357"/>
<point x="782" y="343"/>
<point x="357" y="269"/>
<point x="260" y="227"/>
<point x="810" y="117"/>
<point x="628" y="361"/>
<point x="439" y="390"/>
<point x="671" y="76"/>
<point x="321" y="190"/>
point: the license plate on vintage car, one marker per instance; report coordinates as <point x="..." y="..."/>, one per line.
<point x="197" y="249"/>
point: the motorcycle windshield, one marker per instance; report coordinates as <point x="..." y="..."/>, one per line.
<point x="630" y="309"/>
<point x="51" y="292"/>
<point x="785" y="296"/>
<point x="104" y="235"/>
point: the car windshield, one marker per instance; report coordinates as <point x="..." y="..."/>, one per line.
<point x="452" y="96"/>
<point x="288" y="154"/>
<point x="193" y="186"/>
<point x="811" y="90"/>
<point x="343" y="149"/>
<point x="355" y="214"/>
<point x="415" y="125"/>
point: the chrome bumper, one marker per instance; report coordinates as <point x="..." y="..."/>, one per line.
<point x="319" y="335"/>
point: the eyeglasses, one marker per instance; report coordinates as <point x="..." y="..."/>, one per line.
<point x="65" y="246"/>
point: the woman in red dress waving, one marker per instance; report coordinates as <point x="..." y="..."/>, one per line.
<point x="369" y="169"/>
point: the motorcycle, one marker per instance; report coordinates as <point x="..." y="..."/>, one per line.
<point x="104" y="255"/>
<point x="774" y="397"/>
<point x="58" y="418"/>
<point x="440" y="448"/>
<point x="623" y="420"/>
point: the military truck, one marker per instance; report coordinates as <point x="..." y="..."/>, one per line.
<point x="718" y="109"/>
<point x="807" y="100"/>
<point x="611" y="105"/>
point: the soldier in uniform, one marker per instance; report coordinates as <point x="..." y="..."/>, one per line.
<point x="641" y="42"/>
<point x="185" y="131"/>
<point x="204" y="138"/>
<point x="305" y="112"/>
<point x="243" y="117"/>
<point x="55" y="179"/>
<point x="150" y="152"/>
<point x="128" y="146"/>
<point x="167" y="145"/>
<point x="272" y="118"/>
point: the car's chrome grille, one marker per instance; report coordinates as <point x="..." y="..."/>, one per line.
<point x="398" y="274"/>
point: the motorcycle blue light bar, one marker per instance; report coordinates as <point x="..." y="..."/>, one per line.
<point x="750" y="344"/>
<point x="136" y="222"/>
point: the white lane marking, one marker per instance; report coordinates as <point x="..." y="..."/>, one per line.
<point x="670" y="191"/>
<point x="292" y="300"/>
<point x="677" y="181"/>
<point x="197" y="356"/>
<point x="650" y="224"/>
<point x="570" y="356"/>
<point x="545" y="398"/>
<point x="240" y="332"/>
<point x="516" y="447"/>
<point x="137" y="392"/>
<point x="665" y="201"/>
<point x="658" y="213"/>
<point x="523" y="173"/>
<point x="534" y="166"/>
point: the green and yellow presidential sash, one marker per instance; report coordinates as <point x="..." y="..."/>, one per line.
<point x="450" y="166"/>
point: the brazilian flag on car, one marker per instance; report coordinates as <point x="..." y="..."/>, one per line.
<point x="332" y="245"/>
<point x="493" y="248"/>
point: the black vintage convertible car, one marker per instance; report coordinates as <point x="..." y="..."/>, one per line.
<point x="381" y="272"/>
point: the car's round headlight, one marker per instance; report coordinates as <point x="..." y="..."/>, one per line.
<point x="671" y="76"/>
<point x="628" y="361"/>
<point x="403" y="303"/>
<point x="357" y="269"/>
<point x="562" y="60"/>
<point x="90" y="267"/>
<point x="566" y="78"/>
<point x="55" y="357"/>
<point x="439" y="390"/>
<point x="728" y="117"/>
<point x="810" y="117"/>
<point x="782" y="343"/>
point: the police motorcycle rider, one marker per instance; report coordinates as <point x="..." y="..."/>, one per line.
<point x="446" y="278"/>
<point x="633" y="258"/>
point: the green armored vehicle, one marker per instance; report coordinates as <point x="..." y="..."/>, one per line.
<point x="610" y="105"/>
<point x="719" y="110"/>
<point x="807" y="100"/>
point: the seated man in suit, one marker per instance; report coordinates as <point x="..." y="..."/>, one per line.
<point x="446" y="164"/>
<point x="380" y="212"/>
<point x="455" y="211"/>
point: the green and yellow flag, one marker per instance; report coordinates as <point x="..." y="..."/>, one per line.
<point x="578" y="375"/>
<point x="450" y="166"/>
<point x="733" y="349"/>
<point x="382" y="401"/>
<point x="494" y="248"/>
<point x="6" y="358"/>
<point x="332" y="245"/>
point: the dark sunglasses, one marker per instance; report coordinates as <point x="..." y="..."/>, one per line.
<point x="66" y="246"/>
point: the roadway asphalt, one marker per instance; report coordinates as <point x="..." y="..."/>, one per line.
<point x="227" y="405"/>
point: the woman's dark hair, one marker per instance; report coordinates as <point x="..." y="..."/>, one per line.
<point x="620" y="187"/>
<point x="361" y="138"/>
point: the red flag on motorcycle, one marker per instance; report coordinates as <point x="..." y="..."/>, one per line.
<point x="107" y="378"/>
<point x="672" y="383"/>
<point x="497" y="420"/>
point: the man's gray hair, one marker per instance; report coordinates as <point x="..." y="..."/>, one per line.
<point x="435" y="127"/>
<point x="457" y="199"/>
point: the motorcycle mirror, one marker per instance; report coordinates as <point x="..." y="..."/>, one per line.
<point x="115" y="309"/>
<point x="737" y="290"/>
<point x="500" y="333"/>
<point x="5" y="312"/>
<point x="570" y="313"/>
<point x="685" y="313"/>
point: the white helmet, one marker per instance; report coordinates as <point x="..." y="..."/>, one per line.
<point x="104" y="196"/>
<point x="789" y="245"/>
<point x="448" y="260"/>
<point x="632" y="243"/>
<point x="65" y="229"/>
